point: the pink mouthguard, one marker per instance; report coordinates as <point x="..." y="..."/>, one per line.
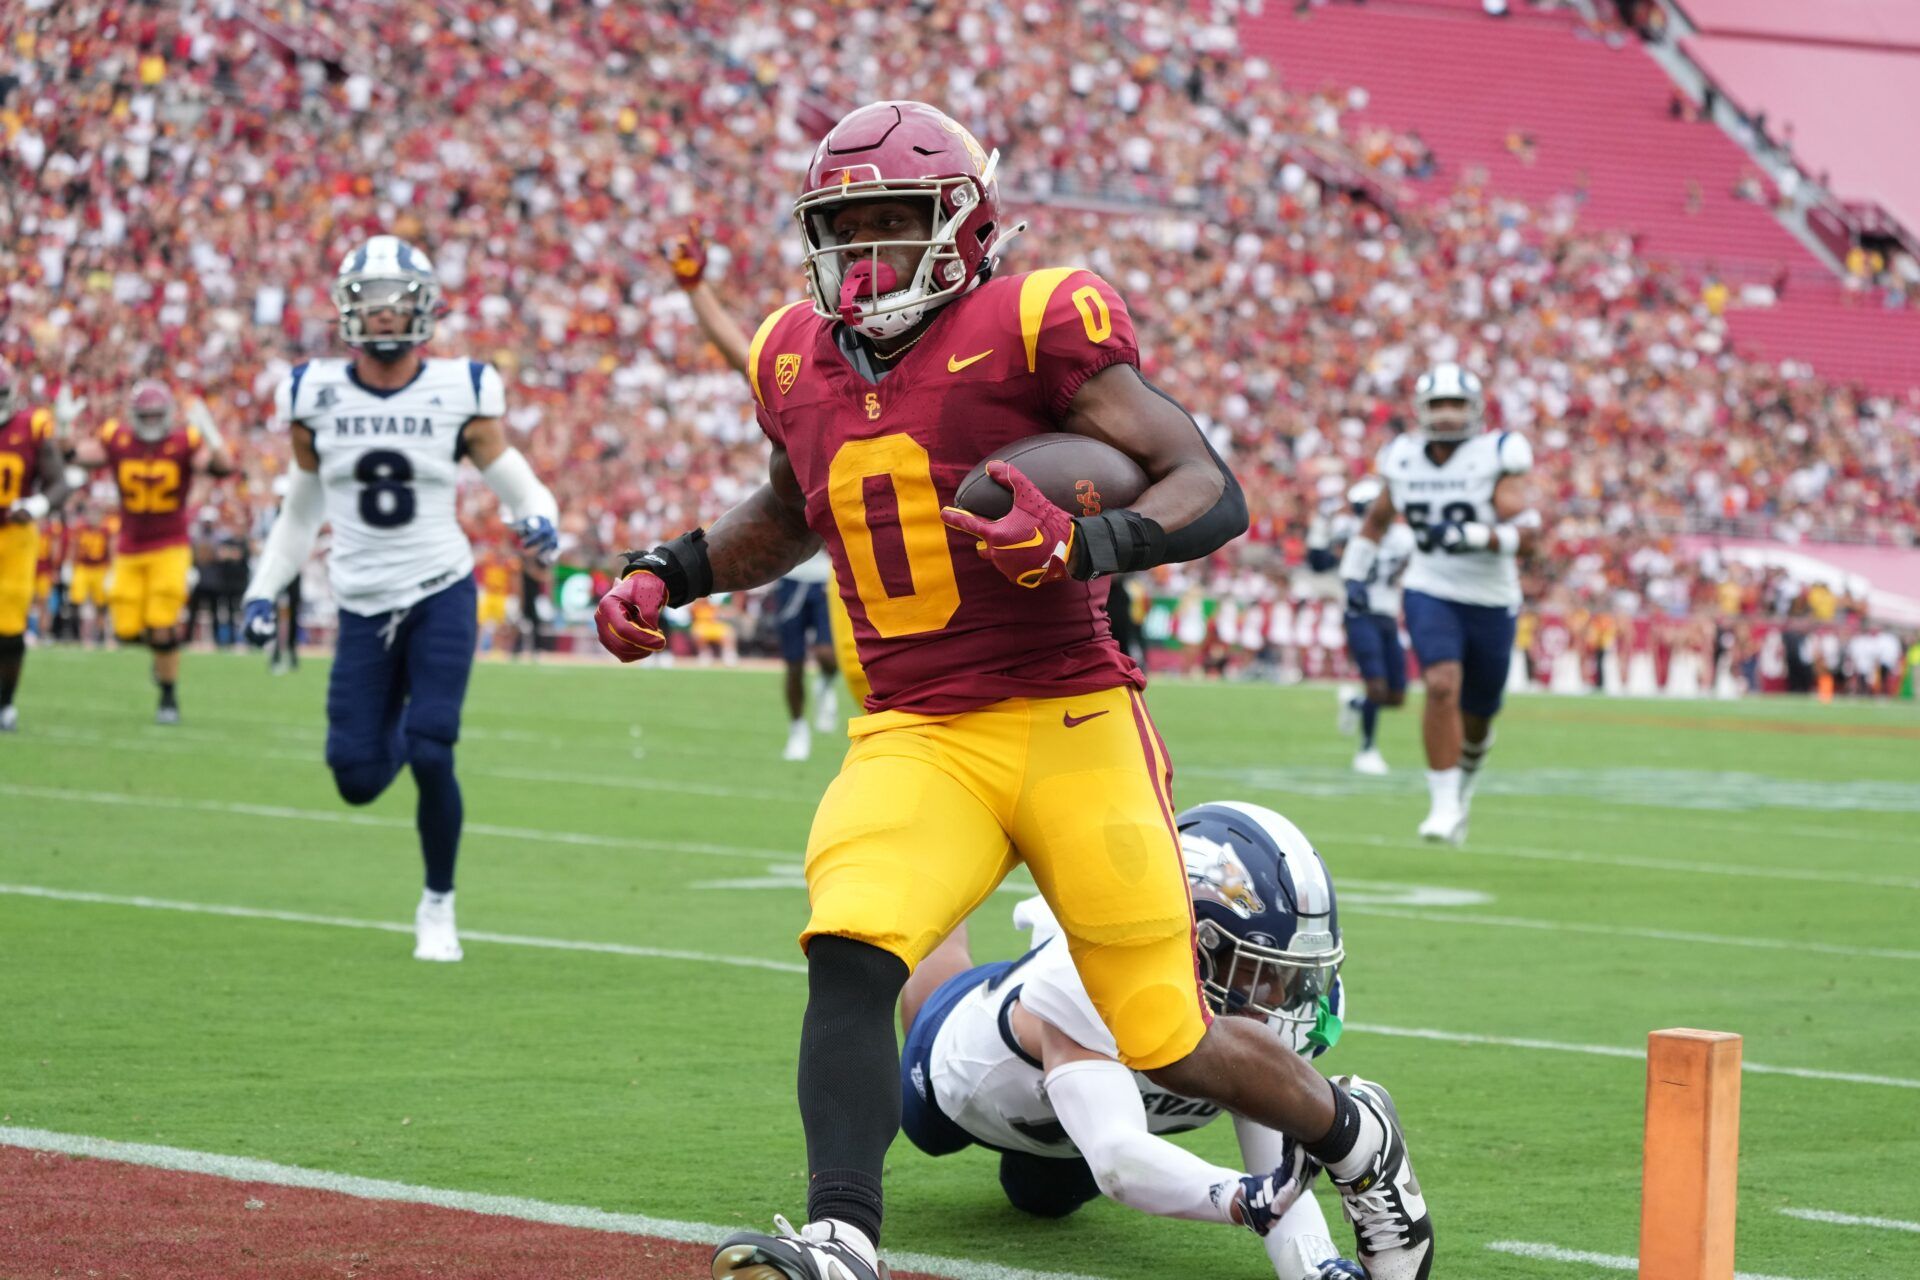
<point x="865" y="280"/>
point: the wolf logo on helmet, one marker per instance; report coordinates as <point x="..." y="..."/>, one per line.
<point x="1263" y="901"/>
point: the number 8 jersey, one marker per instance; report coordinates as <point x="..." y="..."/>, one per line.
<point x="1427" y="493"/>
<point x="390" y="462"/>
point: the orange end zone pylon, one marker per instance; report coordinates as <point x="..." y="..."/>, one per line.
<point x="1691" y="1163"/>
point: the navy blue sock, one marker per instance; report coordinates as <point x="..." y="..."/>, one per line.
<point x="1369" y="721"/>
<point x="440" y="812"/>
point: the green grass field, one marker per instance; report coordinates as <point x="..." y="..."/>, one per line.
<point x="1751" y="867"/>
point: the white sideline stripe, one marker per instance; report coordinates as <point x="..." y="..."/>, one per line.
<point x="1610" y="1261"/>
<point x="247" y="1169"/>
<point x="1851" y="1220"/>
<point x="1329" y="840"/>
<point x="390" y="926"/>
<point x="1619" y="1051"/>
<point x="352" y="819"/>
<point x="1633" y="931"/>
<point x="783" y="966"/>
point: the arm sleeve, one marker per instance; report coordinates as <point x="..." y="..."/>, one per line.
<point x="292" y="536"/>
<point x="1099" y="1106"/>
<point x="518" y="489"/>
<point x="1073" y="324"/>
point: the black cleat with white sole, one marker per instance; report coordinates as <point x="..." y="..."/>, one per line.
<point x="1391" y="1224"/>
<point x="818" y="1251"/>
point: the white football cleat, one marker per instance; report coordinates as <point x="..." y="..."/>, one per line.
<point x="9" y="719"/>
<point x="1371" y="762"/>
<point x="167" y="715"/>
<point x="818" y="1251"/>
<point x="1391" y="1224"/>
<point x="434" y="937"/>
<point x="1346" y="717"/>
<point x="1445" y="825"/>
<point x="799" y="742"/>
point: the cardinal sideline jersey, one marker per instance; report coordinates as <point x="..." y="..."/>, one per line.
<point x="988" y="1085"/>
<point x="153" y="477"/>
<point x="939" y="630"/>
<point x="1460" y="490"/>
<point x="390" y="462"/>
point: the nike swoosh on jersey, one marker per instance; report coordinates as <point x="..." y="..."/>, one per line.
<point x="955" y="364"/>
<point x="1071" y="720"/>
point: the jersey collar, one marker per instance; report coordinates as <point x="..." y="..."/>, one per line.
<point x="353" y="376"/>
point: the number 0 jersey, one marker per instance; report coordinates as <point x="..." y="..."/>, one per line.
<point x="22" y="437"/>
<point x="938" y="629"/>
<point x="390" y="464"/>
<point x="1460" y="490"/>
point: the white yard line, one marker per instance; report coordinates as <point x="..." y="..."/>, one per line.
<point x="1634" y="931"/>
<point x="781" y="966"/>
<point x="391" y="926"/>
<point x="1331" y="840"/>
<point x="349" y="817"/>
<point x="246" y="1169"/>
<point x="1608" y="1261"/>
<point x="1852" y="1220"/>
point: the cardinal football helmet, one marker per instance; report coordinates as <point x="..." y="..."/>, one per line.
<point x="386" y="272"/>
<point x="1449" y="402"/>
<point x="1263" y="905"/>
<point x="899" y="151"/>
<point x="150" y="405"/>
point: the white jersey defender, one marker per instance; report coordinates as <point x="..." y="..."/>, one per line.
<point x="390" y="467"/>
<point x="1460" y="490"/>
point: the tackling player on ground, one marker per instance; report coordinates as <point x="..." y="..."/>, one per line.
<point x="377" y="442"/>
<point x="1467" y="498"/>
<point x="153" y="457"/>
<point x="1372" y="620"/>
<point x="33" y="484"/>
<point x="1013" y="1056"/>
<point x="1002" y="715"/>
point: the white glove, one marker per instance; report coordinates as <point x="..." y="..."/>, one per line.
<point x="67" y="407"/>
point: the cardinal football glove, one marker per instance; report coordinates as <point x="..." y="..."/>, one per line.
<point x="1030" y="545"/>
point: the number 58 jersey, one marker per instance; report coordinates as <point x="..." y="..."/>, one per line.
<point x="390" y="463"/>
<point x="1427" y="493"/>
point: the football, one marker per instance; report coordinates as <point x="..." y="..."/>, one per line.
<point x="1078" y="474"/>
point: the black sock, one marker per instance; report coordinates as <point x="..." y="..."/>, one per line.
<point x="1337" y="1145"/>
<point x="13" y="655"/>
<point x="440" y="813"/>
<point x="1369" y="723"/>
<point x="166" y="693"/>
<point x="849" y="1078"/>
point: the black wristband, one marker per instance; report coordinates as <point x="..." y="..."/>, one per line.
<point x="1116" y="542"/>
<point x="681" y="564"/>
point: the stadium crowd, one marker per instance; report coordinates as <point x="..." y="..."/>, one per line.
<point x="179" y="182"/>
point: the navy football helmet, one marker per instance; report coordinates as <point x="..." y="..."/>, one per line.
<point x="1263" y="906"/>
<point x="386" y="272"/>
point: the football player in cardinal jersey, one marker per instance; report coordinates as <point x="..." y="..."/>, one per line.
<point x="153" y="457"/>
<point x="1001" y="715"/>
<point x="1372" y="621"/>
<point x="377" y="443"/>
<point x="33" y="484"/>
<point x="1013" y="1056"/>
<point x="1466" y="496"/>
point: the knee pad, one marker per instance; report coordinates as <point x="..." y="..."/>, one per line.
<point x="1045" y="1187"/>
<point x="12" y="646"/>
<point x="361" y="783"/>
<point x="163" y="641"/>
<point x="429" y="754"/>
